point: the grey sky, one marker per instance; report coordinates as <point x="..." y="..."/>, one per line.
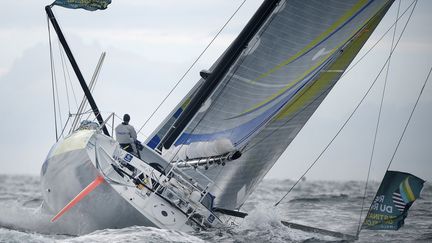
<point x="150" y="44"/>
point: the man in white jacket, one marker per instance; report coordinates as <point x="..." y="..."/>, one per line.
<point x="126" y="135"/>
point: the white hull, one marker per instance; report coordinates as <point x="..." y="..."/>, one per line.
<point x="67" y="170"/>
<point x="74" y="162"/>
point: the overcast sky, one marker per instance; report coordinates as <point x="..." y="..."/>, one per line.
<point x="150" y="44"/>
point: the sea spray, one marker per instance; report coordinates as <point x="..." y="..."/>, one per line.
<point x="264" y="224"/>
<point x="17" y="217"/>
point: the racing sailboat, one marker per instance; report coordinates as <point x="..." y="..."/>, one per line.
<point x="215" y="147"/>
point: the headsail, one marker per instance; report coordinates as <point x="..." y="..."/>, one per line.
<point x="396" y="194"/>
<point x="275" y="85"/>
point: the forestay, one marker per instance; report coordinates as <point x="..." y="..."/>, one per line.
<point x="274" y="86"/>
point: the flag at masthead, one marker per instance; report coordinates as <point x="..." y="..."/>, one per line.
<point x="90" y="5"/>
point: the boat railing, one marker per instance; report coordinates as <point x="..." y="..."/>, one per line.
<point x="173" y="178"/>
<point x="199" y="184"/>
<point x="202" y="175"/>
<point x="174" y="186"/>
<point x="187" y="194"/>
<point x="185" y="200"/>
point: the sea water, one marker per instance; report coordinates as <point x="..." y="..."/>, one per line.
<point x="325" y="204"/>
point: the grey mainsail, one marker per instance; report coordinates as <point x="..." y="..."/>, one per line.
<point x="274" y="86"/>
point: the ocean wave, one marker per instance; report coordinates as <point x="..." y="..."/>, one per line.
<point x="135" y="234"/>
<point x="329" y="205"/>
<point x="321" y="198"/>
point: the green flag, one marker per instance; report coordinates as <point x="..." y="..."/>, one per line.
<point x="396" y="194"/>
<point x="90" y="5"/>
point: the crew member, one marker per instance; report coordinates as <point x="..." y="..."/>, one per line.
<point x="126" y="135"/>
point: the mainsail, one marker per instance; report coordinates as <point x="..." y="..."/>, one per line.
<point x="276" y="83"/>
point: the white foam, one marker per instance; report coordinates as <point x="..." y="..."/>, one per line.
<point x="262" y="217"/>
<point x="17" y="217"/>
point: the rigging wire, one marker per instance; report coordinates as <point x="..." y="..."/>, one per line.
<point x="58" y="102"/>
<point x="64" y="127"/>
<point x="57" y="96"/>
<point x="53" y="76"/>
<point x="409" y="119"/>
<point x="193" y="64"/>
<point x="403" y="132"/>
<point x="65" y="81"/>
<point x="352" y="114"/>
<point x="378" y="123"/>
<point x="84" y="102"/>
<point x="62" y="52"/>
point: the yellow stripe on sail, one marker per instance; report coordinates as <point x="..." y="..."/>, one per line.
<point x="347" y="15"/>
<point x="321" y="37"/>
<point x="326" y="77"/>
<point x="363" y="37"/>
<point x="302" y="76"/>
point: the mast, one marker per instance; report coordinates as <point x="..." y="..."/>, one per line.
<point x="76" y="69"/>
<point x="212" y="81"/>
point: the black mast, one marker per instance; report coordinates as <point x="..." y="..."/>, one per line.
<point x="76" y="68"/>
<point x="219" y="71"/>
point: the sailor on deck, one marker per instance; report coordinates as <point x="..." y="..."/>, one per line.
<point x="126" y="135"/>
